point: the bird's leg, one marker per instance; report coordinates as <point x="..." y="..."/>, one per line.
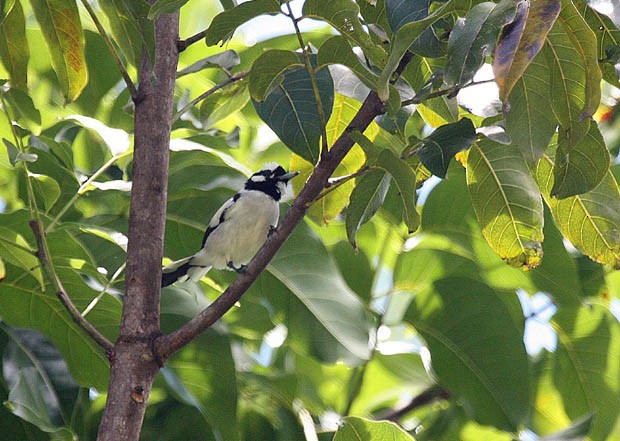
<point x="272" y="229"/>
<point x="239" y="269"/>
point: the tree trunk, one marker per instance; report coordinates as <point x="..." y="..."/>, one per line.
<point x="133" y="365"/>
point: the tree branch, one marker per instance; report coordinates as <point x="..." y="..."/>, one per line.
<point x="231" y="79"/>
<point x="168" y="344"/>
<point x="432" y="394"/>
<point x="62" y="294"/>
<point x="184" y="44"/>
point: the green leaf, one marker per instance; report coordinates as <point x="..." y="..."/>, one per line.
<point x="405" y="179"/>
<point x="304" y="266"/>
<point x="337" y="50"/>
<point x="131" y="28"/>
<point x="23" y="108"/>
<point x="223" y="60"/>
<point x="609" y="37"/>
<point x="17" y="251"/>
<point x="164" y="7"/>
<point x="530" y="123"/>
<point x="117" y="140"/>
<point x="403" y="39"/>
<point x="14" y="50"/>
<point x="60" y="23"/>
<point x="330" y="206"/>
<point x="399" y="13"/>
<point x="223" y="103"/>
<point x="344" y="16"/>
<point x="361" y="429"/>
<point x="206" y="371"/>
<point x="366" y="199"/>
<point x="578" y="430"/>
<point x="521" y="41"/>
<point x="586" y="358"/>
<point x="225" y="23"/>
<point x="5" y="9"/>
<point x="507" y="202"/>
<point x="268" y="69"/>
<point x="291" y="110"/>
<point x="473" y="38"/>
<point x="590" y="220"/>
<point x="46" y="189"/>
<point x="580" y="168"/>
<point x="438" y="148"/>
<point x="15" y="155"/>
<point x="459" y="320"/>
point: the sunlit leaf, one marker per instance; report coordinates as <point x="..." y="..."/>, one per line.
<point x="521" y="41"/>
<point x="47" y="189"/>
<point x="223" y="103"/>
<point x="590" y="220"/>
<point x="14" y="50"/>
<point x="223" y="60"/>
<point x="337" y="50"/>
<point x="507" y="202"/>
<point x="60" y="22"/>
<point x="459" y="319"/>
<point x="343" y="15"/>
<point x="225" y="23"/>
<point x="474" y="37"/>
<point x="360" y="429"/>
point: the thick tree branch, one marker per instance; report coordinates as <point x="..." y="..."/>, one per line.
<point x="62" y="294"/>
<point x="168" y="344"/>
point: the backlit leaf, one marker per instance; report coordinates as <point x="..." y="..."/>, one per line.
<point x="521" y="41"/>
<point x="267" y="70"/>
<point x="507" y="202"/>
<point x="469" y="356"/>
<point x="591" y="221"/>
<point x="473" y="38"/>
<point x="223" y="60"/>
<point x="580" y="168"/>
<point x="360" y="429"/>
<point x="60" y="22"/>
<point x="337" y="50"/>
<point x="14" y="50"/>
<point x="343" y="15"/>
<point x="225" y="23"/>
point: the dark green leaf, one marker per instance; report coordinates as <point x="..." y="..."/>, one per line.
<point x="15" y="155"/>
<point x="292" y="112"/>
<point x="225" y="23"/>
<point x="399" y="13"/>
<point x="164" y="7"/>
<point x="579" y="168"/>
<point x="521" y="41"/>
<point x="60" y="22"/>
<point x="439" y="147"/>
<point x="578" y="430"/>
<point x="405" y="179"/>
<point x="268" y="69"/>
<point x="459" y="320"/>
<point x="473" y="38"/>
<point x="366" y="198"/>
<point x="23" y="108"/>
<point x="5" y="8"/>
<point x="14" y="50"/>
<point x="337" y="50"/>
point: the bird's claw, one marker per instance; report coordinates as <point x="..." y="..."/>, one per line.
<point x="238" y="269"/>
<point x="272" y="230"/>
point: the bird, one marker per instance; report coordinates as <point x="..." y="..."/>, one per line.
<point x="238" y="228"/>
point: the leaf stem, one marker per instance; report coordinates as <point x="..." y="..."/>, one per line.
<point x="84" y="188"/>
<point x="44" y="256"/>
<point x="231" y="79"/>
<point x="121" y="67"/>
<point x="315" y="86"/>
<point x="442" y="92"/>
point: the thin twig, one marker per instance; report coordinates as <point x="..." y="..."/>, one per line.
<point x="231" y="79"/>
<point x="315" y="86"/>
<point x="442" y="92"/>
<point x="430" y="395"/>
<point x="61" y="293"/>
<point x="334" y="184"/>
<point x="117" y="59"/>
<point x="184" y="44"/>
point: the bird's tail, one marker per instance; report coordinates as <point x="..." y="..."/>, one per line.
<point x="172" y="272"/>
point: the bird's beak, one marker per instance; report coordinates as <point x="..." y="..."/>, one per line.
<point x="287" y="177"/>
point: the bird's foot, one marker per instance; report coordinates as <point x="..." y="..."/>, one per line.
<point x="272" y="230"/>
<point x="238" y="269"/>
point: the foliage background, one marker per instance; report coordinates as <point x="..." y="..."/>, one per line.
<point x="328" y="330"/>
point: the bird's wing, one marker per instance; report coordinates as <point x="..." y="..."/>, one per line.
<point x="219" y="217"/>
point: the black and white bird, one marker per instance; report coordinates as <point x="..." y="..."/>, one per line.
<point x="238" y="229"/>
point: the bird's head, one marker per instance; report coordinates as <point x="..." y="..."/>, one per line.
<point x="272" y="180"/>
